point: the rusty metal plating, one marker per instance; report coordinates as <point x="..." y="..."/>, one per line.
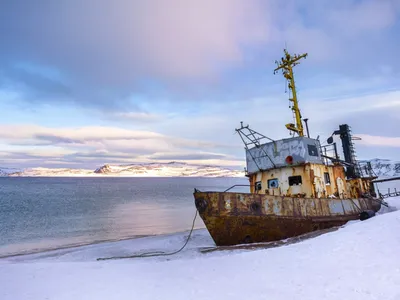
<point x="238" y="218"/>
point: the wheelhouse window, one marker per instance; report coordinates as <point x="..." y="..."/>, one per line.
<point x="312" y="150"/>
<point x="273" y="183"/>
<point x="258" y="186"/>
<point x="327" y="178"/>
<point x="295" y="180"/>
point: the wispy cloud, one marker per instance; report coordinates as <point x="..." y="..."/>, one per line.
<point x="136" y="117"/>
<point x="34" y="84"/>
<point x="167" y="38"/>
<point x="108" y="50"/>
<point x="90" y="133"/>
<point x="381" y="141"/>
<point x="187" y="156"/>
<point x="101" y="144"/>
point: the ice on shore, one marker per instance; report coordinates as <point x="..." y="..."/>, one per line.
<point x="359" y="261"/>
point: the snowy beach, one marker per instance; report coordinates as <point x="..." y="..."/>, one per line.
<point x="358" y="261"/>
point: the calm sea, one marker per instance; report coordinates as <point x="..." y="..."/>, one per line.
<point x="39" y="214"/>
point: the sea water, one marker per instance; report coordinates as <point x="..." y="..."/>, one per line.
<point x="38" y="214"/>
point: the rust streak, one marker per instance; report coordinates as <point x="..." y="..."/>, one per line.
<point x="265" y="218"/>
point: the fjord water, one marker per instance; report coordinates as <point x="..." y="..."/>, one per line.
<point x="39" y="214"/>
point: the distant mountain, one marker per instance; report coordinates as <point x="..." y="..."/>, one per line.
<point x="382" y="167"/>
<point x="7" y="171"/>
<point x="385" y="167"/>
<point x="171" y="169"/>
<point x="50" y="172"/>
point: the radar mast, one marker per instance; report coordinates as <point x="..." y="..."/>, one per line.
<point x="286" y="64"/>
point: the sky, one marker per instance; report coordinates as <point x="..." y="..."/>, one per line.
<point x="89" y="82"/>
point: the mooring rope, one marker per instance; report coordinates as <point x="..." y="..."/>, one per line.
<point x="155" y="253"/>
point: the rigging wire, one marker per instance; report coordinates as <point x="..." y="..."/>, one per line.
<point x="155" y="253"/>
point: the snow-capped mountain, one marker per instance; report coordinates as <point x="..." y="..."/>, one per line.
<point x="385" y="167"/>
<point x="50" y="172"/>
<point x="7" y="171"/>
<point x="171" y="169"/>
<point x="382" y="168"/>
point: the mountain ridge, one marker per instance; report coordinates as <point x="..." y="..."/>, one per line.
<point x="170" y="169"/>
<point x="383" y="168"/>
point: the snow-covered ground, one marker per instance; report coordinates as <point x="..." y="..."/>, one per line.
<point x="359" y="261"/>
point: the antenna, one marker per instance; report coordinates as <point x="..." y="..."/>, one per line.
<point x="286" y="64"/>
<point x="253" y="138"/>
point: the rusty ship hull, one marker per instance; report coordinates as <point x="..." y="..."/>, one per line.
<point x="243" y="218"/>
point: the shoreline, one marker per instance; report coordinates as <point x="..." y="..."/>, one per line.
<point x="83" y="244"/>
<point x="70" y="246"/>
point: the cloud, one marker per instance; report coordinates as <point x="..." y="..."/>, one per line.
<point x="342" y="35"/>
<point x="106" y="50"/>
<point x="82" y="134"/>
<point x="24" y="143"/>
<point x="48" y="158"/>
<point x="34" y="84"/>
<point x="94" y="159"/>
<point x="100" y="138"/>
<point x="269" y="114"/>
<point x="142" y="117"/>
<point x="187" y="156"/>
<point x="183" y="74"/>
<point x="114" y="41"/>
<point x="381" y="141"/>
<point x="208" y="137"/>
<point x="375" y="16"/>
<point x="353" y="105"/>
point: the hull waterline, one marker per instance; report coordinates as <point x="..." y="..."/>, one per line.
<point x="242" y="218"/>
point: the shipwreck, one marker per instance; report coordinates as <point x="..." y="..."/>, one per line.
<point x="296" y="185"/>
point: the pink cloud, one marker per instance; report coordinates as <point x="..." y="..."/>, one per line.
<point x="168" y="38"/>
<point x="381" y="141"/>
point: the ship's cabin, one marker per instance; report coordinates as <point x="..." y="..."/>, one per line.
<point x="296" y="167"/>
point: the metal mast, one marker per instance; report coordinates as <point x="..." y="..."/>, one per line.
<point x="286" y="65"/>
